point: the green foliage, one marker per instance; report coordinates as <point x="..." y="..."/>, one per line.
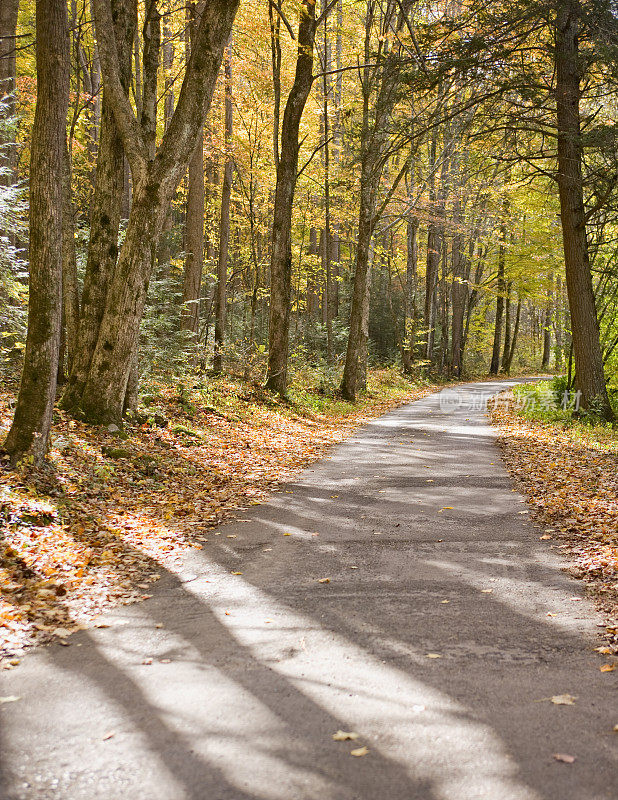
<point x="13" y="268"/>
<point x="552" y="401"/>
<point x="164" y="348"/>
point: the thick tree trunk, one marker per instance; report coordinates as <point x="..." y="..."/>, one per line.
<point x="224" y="226"/>
<point x="105" y="213"/>
<point x="584" y="323"/>
<point x="281" y="254"/>
<point x="8" y="47"/>
<point x="29" y="433"/>
<point x="154" y="182"/>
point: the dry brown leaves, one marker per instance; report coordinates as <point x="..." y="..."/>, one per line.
<point x="570" y="478"/>
<point x="98" y="531"/>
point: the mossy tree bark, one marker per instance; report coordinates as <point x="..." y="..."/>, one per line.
<point x="105" y="214"/>
<point x="154" y="182"/>
<point x="29" y="434"/>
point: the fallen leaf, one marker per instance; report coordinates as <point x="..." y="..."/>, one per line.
<point x="486" y="591"/>
<point x="147" y="661"/>
<point x="606" y="651"/>
<point x="445" y="601"/>
<point x="236" y="573"/>
<point x="109" y="735"/>
<point x="323" y="580"/>
<point x="566" y="759"/>
<point x="360" y="751"/>
<point x="344" y="736"/>
<point x="432" y="655"/>
<point x="563" y="700"/>
<point x="9" y="698"/>
<point x="608" y="668"/>
<point x="545" y="536"/>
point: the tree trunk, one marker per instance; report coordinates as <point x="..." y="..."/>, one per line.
<point x="459" y="290"/>
<point x="275" y="51"/>
<point x="584" y="323"/>
<point x="194" y="217"/>
<point x="105" y="214"/>
<point x="29" y="433"/>
<point x="70" y="288"/>
<point x="547" y="326"/>
<point x="409" y="325"/>
<point x="281" y="254"/>
<point x="500" y="289"/>
<point x="224" y="226"/>
<point x="373" y="140"/>
<point x="154" y="183"/>
<point x="512" y="344"/>
<point x="433" y="252"/>
<point x="507" y="327"/>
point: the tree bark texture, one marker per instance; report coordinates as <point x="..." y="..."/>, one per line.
<point x="501" y="291"/>
<point x="224" y="225"/>
<point x="105" y="214"/>
<point x="29" y="433"/>
<point x="584" y="323"/>
<point x="281" y="253"/>
<point x="154" y="182"/>
<point x="374" y="138"/>
<point x="194" y="220"/>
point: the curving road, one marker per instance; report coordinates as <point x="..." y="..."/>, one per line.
<point x="442" y="632"/>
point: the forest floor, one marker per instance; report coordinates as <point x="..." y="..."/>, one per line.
<point x="90" y="533"/>
<point x="568" y="473"/>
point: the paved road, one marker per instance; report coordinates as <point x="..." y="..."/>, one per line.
<point x="429" y="551"/>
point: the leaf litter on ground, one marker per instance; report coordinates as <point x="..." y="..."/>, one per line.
<point x="120" y="506"/>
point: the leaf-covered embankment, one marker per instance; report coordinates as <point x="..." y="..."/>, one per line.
<point x="120" y="504"/>
<point x="569" y="475"/>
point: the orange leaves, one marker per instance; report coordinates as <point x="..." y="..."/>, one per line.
<point x="122" y="505"/>
<point x="569" y="477"/>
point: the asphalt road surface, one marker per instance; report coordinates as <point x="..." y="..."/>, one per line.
<point x="442" y="632"/>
